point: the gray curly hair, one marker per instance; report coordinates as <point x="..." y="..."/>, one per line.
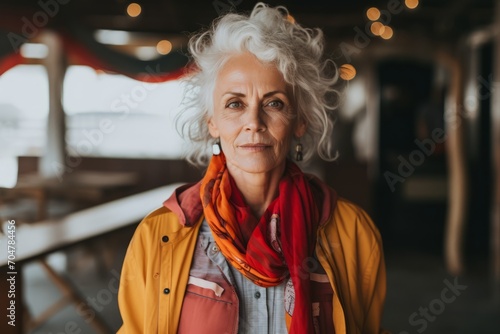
<point x="273" y="37"/>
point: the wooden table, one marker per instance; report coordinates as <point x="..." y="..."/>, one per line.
<point x="87" y="186"/>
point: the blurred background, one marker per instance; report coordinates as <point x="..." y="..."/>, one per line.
<point x="88" y="95"/>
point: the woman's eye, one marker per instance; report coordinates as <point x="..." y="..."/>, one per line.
<point x="276" y="104"/>
<point x="233" y="105"/>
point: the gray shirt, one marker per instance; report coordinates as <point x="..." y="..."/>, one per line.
<point x="262" y="310"/>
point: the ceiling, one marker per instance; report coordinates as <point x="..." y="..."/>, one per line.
<point x="442" y="20"/>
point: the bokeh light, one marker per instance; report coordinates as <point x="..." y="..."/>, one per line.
<point x="387" y="33"/>
<point x="347" y="72"/>
<point x="134" y="9"/>
<point x="411" y="4"/>
<point x="377" y="28"/>
<point x="164" y="47"/>
<point x="373" y="14"/>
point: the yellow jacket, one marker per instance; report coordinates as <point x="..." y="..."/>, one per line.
<point x="156" y="269"/>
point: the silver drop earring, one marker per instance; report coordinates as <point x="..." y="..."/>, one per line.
<point x="298" y="152"/>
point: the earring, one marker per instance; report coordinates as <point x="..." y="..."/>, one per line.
<point x="216" y="148"/>
<point x="298" y="152"/>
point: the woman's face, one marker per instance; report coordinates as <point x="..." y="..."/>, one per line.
<point x="253" y="115"/>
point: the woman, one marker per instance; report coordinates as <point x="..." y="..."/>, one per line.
<point x="256" y="246"/>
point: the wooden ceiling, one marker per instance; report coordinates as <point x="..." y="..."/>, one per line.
<point x="438" y="19"/>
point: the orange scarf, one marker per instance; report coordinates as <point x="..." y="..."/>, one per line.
<point x="269" y="250"/>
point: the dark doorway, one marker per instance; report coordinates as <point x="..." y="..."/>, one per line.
<point x="411" y="187"/>
<point x="477" y="231"/>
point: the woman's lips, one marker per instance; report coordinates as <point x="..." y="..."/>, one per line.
<point x="255" y="147"/>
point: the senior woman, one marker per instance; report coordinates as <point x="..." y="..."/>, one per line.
<point x="256" y="246"/>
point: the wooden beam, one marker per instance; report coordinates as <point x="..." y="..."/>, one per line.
<point x="52" y="161"/>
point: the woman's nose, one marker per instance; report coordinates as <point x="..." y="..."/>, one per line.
<point x="254" y="121"/>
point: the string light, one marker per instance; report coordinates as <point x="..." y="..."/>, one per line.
<point x="411" y="4"/>
<point x="164" y="47"/>
<point x="373" y="14"/>
<point x="347" y="72"/>
<point x="377" y="28"/>
<point x="387" y="33"/>
<point x="134" y="9"/>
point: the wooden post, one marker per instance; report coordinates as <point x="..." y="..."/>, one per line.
<point x="457" y="176"/>
<point x="52" y="161"/>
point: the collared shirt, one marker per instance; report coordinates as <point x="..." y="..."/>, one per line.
<point x="261" y="310"/>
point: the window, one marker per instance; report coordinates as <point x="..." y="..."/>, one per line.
<point x="114" y="116"/>
<point x="107" y="115"/>
<point x="24" y="106"/>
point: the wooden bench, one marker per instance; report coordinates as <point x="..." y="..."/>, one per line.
<point x="87" y="186"/>
<point x="35" y="241"/>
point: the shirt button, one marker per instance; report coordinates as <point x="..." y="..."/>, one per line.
<point x="164" y="238"/>
<point x="257" y="295"/>
<point x="215" y="248"/>
<point x="156" y="275"/>
<point x="166" y="291"/>
<point x="203" y="241"/>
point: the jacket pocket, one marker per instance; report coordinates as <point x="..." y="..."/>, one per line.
<point x="205" y="284"/>
<point x="207" y="308"/>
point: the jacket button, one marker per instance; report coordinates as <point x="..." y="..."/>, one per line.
<point x="166" y="291"/>
<point x="257" y="295"/>
<point x="164" y="238"/>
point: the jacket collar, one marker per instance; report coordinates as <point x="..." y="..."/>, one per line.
<point x="185" y="202"/>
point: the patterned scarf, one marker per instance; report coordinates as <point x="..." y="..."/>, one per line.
<point x="277" y="246"/>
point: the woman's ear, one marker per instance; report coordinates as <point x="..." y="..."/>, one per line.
<point x="212" y="128"/>
<point x="300" y="128"/>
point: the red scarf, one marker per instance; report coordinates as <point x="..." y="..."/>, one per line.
<point x="269" y="250"/>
